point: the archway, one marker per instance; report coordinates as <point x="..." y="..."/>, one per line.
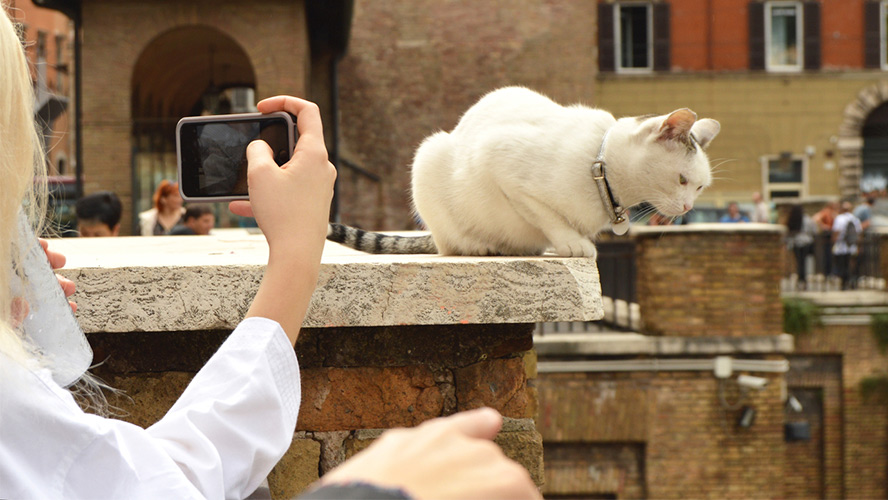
<point x="184" y="71"/>
<point x="859" y="157"/>
<point x="875" y="150"/>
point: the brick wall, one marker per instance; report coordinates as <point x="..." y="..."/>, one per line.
<point x="356" y="382"/>
<point x="861" y="424"/>
<point x="669" y="425"/>
<point x="414" y="67"/>
<point x="710" y="280"/>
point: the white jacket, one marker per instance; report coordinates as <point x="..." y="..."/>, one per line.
<point x="219" y="440"/>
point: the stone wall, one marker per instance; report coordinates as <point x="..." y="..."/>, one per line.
<point x="710" y="280"/>
<point x="388" y="341"/>
<point x="856" y="428"/>
<point x="680" y="442"/>
<point x="355" y="384"/>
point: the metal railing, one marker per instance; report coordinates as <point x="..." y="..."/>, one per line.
<point x="617" y="274"/>
<point x="864" y="269"/>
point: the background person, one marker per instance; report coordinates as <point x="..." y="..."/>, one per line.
<point x="734" y="214"/>
<point x="761" y="212"/>
<point x="98" y="214"/>
<point x="846" y="233"/>
<point x="166" y="212"/>
<point x="198" y="220"/>
<point x="824" y="218"/>
<point x="800" y="233"/>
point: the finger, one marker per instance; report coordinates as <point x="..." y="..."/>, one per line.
<point x="259" y="153"/>
<point x="67" y="285"/>
<point x="241" y="208"/>
<point x="483" y="423"/>
<point x="308" y="119"/>
<point x="56" y="260"/>
<point x="73" y="306"/>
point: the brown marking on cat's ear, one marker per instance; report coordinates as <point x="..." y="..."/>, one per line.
<point x="677" y="125"/>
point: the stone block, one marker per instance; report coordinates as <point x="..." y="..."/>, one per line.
<point x="296" y="470"/>
<point x="497" y="383"/>
<point x="368" y="397"/>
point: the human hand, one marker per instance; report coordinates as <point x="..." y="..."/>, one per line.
<point x="20" y="307"/>
<point x="291" y="203"/>
<point x="450" y="457"/>
<point x="57" y="261"/>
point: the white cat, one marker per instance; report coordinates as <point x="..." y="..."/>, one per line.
<point x="517" y="176"/>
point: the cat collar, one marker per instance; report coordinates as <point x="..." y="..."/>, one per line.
<point x="617" y="213"/>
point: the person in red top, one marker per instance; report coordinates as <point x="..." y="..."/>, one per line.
<point x="824" y="220"/>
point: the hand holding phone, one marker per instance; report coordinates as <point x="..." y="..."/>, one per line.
<point x="211" y="152"/>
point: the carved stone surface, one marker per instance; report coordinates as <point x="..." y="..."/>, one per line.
<point x="187" y="283"/>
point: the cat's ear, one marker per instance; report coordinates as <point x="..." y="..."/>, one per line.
<point x="705" y="131"/>
<point x="677" y="125"/>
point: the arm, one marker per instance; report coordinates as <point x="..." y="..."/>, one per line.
<point x="292" y="206"/>
<point x="207" y="444"/>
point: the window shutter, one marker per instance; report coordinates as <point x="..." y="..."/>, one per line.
<point x="811" y="34"/>
<point x="662" y="61"/>
<point x="606" y="56"/>
<point x="872" y="46"/>
<point x="756" y="36"/>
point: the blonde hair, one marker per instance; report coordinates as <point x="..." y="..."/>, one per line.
<point x="22" y="169"/>
<point x="23" y="188"/>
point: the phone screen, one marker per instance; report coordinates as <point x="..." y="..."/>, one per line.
<point x="213" y="153"/>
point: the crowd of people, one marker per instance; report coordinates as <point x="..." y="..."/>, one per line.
<point x="99" y="214"/>
<point x="833" y="235"/>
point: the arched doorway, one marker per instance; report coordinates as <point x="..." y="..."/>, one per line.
<point x="875" y="150"/>
<point x="185" y="71"/>
<point x="863" y="151"/>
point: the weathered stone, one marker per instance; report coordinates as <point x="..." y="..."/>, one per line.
<point x="296" y="470"/>
<point x="179" y="284"/>
<point x="362" y="398"/>
<point x="497" y="383"/>
<point x="446" y="346"/>
<point x="526" y="448"/>
<point x="145" y="398"/>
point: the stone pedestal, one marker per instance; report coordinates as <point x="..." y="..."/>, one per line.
<point x="389" y="341"/>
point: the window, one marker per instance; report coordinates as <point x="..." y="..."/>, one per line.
<point x="785" y="176"/>
<point x="883" y="29"/>
<point x="783" y="36"/>
<point x="633" y="37"/>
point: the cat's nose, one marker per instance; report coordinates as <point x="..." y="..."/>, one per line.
<point x="687" y="207"/>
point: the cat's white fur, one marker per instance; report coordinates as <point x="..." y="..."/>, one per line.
<point x="514" y="177"/>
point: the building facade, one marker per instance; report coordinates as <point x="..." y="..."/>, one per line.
<point x="799" y="87"/>
<point x="49" y="40"/>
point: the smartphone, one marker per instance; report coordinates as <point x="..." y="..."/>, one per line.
<point x="212" y="151"/>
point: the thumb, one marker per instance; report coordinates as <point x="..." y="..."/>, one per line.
<point x="483" y="423"/>
<point x="258" y="153"/>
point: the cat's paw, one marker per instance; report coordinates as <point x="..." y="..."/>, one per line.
<point x="581" y="247"/>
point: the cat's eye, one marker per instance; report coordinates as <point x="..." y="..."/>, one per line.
<point x="682" y="179"/>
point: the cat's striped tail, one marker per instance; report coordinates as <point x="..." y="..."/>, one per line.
<point x="371" y="242"/>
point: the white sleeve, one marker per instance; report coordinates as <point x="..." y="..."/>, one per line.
<point x="237" y="416"/>
<point x="220" y="440"/>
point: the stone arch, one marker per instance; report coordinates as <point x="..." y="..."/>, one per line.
<point x="850" y="143"/>
<point x="177" y="66"/>
<point x="171" y="74"/>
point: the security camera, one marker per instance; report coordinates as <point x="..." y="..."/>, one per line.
<point x="752" y="382"/>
